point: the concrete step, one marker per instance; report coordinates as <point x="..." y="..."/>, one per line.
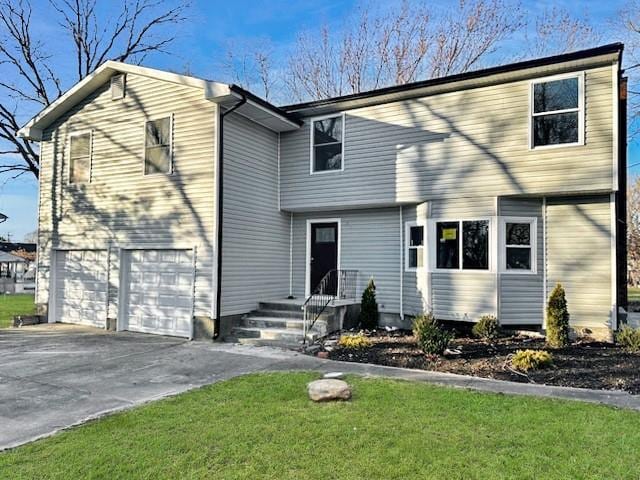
<point x="279" y="313"/>
<point x="279" y="334"/>
<point x="255" y="321"/>
<point x="291" y="307"/>
<point x="260" y="342"/>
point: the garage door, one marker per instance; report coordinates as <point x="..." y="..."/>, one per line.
<point x="159" y="291"/>
<point x="81" y="287"/>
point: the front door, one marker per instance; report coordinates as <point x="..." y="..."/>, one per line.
<point x="324" y="255"/>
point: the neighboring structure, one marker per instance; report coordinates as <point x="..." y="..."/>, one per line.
<point x="17" y="269"/>
<point x="170" y="204"/>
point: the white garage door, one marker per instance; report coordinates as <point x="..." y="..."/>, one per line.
<point x="81" y="287"/>
<point x="159" y="291"/>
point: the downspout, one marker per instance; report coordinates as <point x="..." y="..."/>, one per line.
<point x="401" y="267"/>
<point x="219" y="219"/>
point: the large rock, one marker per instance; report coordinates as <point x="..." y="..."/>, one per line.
<point x="326" y="390"/>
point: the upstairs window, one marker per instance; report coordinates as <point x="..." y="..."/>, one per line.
<point x="327" y="144"/>
<point x="557" y="113"/>
<point x="414" y="254"/>
<point x="462" y="245"/>
<point x="157" y="146"/>
<point x="80" y="157"/>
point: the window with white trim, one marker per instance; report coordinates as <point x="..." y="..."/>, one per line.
<point x="414" y="246"/>
<point x="327" y="142"/>
<point x="519" y="245"/>
<point x="157" y="146"/>
<point x="557" y="113"/>
<point x="462" y="245"/>
<point x="80" y="157"/>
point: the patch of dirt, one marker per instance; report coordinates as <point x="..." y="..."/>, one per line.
<point x="584" y="364"/>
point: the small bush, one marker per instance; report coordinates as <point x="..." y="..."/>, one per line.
<point x="354" y="341"/>
<point x="487" y="327"/>
<point x="369" y="307"/>
<point x="629" y="339"/>
<point x="525" y="360"/>
<point x="430" y="337"/>
<point x="557" y="318"/>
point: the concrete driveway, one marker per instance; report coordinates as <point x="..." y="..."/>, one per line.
<point x="55" y="376"/>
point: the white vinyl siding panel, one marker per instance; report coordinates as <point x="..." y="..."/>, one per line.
<point x="121" y="206"/>
<point x="521" y="295"/>
<point x="458" y="144"/>
<point x="578" y="255"/>
<point x="255" y="265"/>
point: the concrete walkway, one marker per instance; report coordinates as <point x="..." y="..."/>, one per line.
<point x="56" y="376"/>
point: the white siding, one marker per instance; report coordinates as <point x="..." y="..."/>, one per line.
<point x="121" y="206"/>
<point x="255" y="249"/>
<point x="578" y="256"/>
<point x="468" y="143"/>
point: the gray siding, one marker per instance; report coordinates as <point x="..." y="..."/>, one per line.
<point x="578" y="255"/>
<point x="470" y="143"/>
<point x="463" y="295"/>
<point x="521" y="295"/>
<point x="255" y="250"/>
<point x="121" y="206"/>
<point x="369" y="243"/>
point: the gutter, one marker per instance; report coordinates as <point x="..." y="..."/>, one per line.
<point x="220" y="211"/>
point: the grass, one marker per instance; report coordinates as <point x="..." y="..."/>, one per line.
<point x="18" y="304"/>
<point x="634" y="294"/>
<point x="263" y="426"/>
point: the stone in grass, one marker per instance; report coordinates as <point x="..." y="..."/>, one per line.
<point x="329" y="389"/>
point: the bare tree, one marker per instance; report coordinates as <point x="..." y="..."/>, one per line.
<point x="250" y="64"/>
<point x="556" y="30"/>
<point x="398" y="46"/>
<point x="32" y="80"/>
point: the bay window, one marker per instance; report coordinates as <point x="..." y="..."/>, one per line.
<point x="462" y="245"/>
<point x="414" y="246"/>
<point x="518" y="245"/>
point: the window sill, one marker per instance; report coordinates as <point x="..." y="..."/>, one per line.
<point x="324" y="172"/>
<point x="557" y="145"/>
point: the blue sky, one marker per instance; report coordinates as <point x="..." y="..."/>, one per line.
<point x="203" y="41"/>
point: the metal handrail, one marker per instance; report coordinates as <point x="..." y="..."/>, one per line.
<point x="340" y="284"/>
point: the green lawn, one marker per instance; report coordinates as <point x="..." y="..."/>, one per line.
<point x="263" y="426"/>
<point x="634" y="294"/>
<point x="10" y="305"/>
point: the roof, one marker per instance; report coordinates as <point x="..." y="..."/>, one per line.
<point x="609" y="52"/>
<point x="224" y="94"/>
<point x="12" y="246"/>
<point x="9" y="257"/>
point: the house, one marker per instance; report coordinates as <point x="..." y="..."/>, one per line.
<point x="181" y="206"/>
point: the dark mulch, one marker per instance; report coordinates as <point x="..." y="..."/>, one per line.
<point x="584" y="364"/>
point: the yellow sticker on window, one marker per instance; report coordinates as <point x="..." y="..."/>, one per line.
<point x="449" y="233"/>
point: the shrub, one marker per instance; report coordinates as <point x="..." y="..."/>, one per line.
<point x="525" y="360"/>
<point x="557" y="318"/>
<point x="354" y="341"/>
<point x="369" y="307"/>
<point x="430" y="337"/>
<point x="487" y="327"/>
<point x="629" y="339"/>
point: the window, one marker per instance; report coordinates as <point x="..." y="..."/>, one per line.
<point x="80" y="158"/>
<point x="415" y="246"/>
<point x="327" y="135"/>
<point x="157" y="146"/>
<point x="519" y="245"/>
<point x="117" y="86"/>
<point x="468" y="250"/>
<point x="557" y="114"/>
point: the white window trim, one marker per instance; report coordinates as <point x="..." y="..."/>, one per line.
<point x="581" y="113"/>
<point x="77" y="134"/>
<point x="144" y="145"/>
<point x="312" y="150"/>
<point x="421" y="249"/>
<point x="433" y="245"/>
<point x="533" y="235"/>
<point x="307" y="270"/>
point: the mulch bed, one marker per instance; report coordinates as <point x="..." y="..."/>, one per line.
<point x="584" y="364"/>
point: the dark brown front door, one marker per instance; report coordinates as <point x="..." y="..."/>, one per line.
<point x="324" y="254"/>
